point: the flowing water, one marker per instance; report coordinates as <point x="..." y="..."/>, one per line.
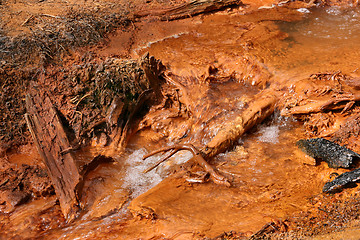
<point x="327" y="39"/>
<point x="270" y="180"/>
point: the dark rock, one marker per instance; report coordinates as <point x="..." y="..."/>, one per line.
<point x="342" y="180"/>
<point x="335" y="155"/>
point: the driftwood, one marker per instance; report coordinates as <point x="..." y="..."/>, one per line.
<point x="259" y="109"/>
<point x="335" y="103"/>
<point x="189" y="9"/>
<point x="55" y="148"/>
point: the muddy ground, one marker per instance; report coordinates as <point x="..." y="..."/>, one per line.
<point x="87" y="54"/>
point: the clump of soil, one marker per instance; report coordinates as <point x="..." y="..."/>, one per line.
<point x="85" y="91"/>
<point x="22" y="183"/>
<point x="45" y="35"/>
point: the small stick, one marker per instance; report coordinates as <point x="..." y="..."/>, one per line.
<point x="163" y="159"/>
<point x="198" y="158"/>
<point x="28" y="20"/>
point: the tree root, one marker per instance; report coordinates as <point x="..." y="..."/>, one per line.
<point x="198" y="158"/>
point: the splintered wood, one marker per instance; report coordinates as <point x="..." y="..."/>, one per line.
<point x="54" y="146"/>
<point x="322" y="92"/>
<point x="153" y="69"/>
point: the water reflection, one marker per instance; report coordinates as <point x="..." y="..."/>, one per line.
<point x="327" y="24"/>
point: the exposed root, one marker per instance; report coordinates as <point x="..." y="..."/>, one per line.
<point x="163" y="159"/>
<point x="198" y="158"/>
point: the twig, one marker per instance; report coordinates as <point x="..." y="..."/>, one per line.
<point x="82" y="98"/>
<point x="28" y="19"/>
<point x="197" y="157"/>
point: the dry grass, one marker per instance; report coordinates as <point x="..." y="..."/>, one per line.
<point x="52" y="37"/>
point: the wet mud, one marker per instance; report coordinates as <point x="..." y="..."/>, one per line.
<point x="216" y="66"/>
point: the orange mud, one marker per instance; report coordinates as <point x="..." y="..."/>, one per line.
<point x="189" y="46"/>
<point x="270" y="178"/>
<point x="18" y="17"/>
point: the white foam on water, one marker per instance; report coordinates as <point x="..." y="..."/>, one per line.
<point x="269" y="134"/>
<point x="303" y="10"/>
<point x="134" y="179"/>
<point x="333" y="11"/>
<point x="139" y="182"/>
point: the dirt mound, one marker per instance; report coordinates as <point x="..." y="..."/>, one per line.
<point x="86" y="90"/>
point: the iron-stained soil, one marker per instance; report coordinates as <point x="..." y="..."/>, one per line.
<point x="86" y="55"/>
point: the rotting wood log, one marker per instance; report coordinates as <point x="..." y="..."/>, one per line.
<point x="258" y="110"/>
<point x="189" y="9"/>
<point x="335" y="103"/>
<point x="54" y="146"/>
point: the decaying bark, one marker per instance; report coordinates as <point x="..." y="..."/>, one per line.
<point x="335" y="103"/>
<point x="153" y="69"/>
<point x="189" y="9"/>
<point x="342" y="180"/>
<point x="55" y="148"/>
<point x="259" y="109"/>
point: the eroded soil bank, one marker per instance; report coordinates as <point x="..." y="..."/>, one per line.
<point x="216" y="65"/>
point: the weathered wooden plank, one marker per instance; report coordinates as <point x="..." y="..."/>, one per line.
<point x="53" y="145"/>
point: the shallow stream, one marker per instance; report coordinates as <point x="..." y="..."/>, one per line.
<point x="270" y="181"/>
